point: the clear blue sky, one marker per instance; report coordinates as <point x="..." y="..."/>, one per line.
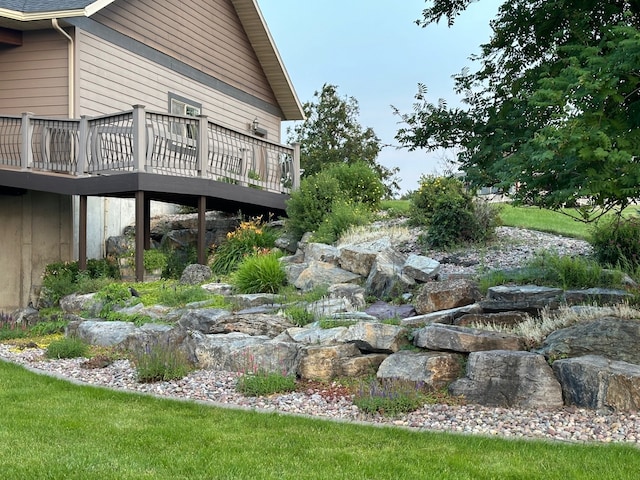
<point x="373" y="51"/>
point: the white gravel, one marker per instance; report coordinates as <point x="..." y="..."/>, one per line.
<point x="218" y="388"/>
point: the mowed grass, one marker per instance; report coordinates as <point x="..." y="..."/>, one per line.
<point x="53" y="429"/>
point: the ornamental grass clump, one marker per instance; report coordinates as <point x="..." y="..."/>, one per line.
<point x="260" y="273"/>
<point x="68" y="347"/>
<point x="390" y="397"/>
<point x="159" y="363"/>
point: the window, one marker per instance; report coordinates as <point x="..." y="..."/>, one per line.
<point x="183" y="106"/>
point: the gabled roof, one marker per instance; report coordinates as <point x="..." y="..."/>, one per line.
<point x="248" y="13"/>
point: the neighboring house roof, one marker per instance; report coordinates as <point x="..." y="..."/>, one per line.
<point x="247" y="10"/>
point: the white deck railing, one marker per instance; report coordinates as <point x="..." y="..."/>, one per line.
<point x="141" y="141"/>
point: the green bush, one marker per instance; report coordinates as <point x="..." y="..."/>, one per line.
<point x="343" y="215"/>
<point x="616" y="242"/>
<point x="314" y="200"/>
<point x="309" y="204"/>
<point x="433" y="190"/>
<point x="390" y="397"/>
<point x="250" y="236"/>
<point x="154" y="259"/>
<point x="262" y="383"/>
<point x="64" y="278"/>
<point x="358" y="183"/>
<point x="161" y="363"/>
<point x="260" y="274"/>
<point x="452" y="215"/>
<point x="69" y="347"/>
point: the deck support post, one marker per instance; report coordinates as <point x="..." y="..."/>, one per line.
<point x="139" y="249"/>
<point x="147" y="223"/>
<point x="202" y="230"/>
<point x="82" y="234"/>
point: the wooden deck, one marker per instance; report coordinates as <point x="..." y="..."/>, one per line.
<point x="147" y="156"/>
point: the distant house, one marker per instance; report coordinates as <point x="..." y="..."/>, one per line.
<point x="78" y="161"/>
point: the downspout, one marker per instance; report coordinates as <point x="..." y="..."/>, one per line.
<point x="71" y="66"/>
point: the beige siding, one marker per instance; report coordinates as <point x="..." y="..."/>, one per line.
<point x="205" y="34"/>
<point x="34" y="76"/>
<point x="112" y="79"/>
<point x="37" y="230"/>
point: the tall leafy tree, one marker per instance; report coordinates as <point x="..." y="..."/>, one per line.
<point x="553" y="108"/>
<point x="332" y="134"/>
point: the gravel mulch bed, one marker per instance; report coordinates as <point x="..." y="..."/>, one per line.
<point x="334" y="402"/>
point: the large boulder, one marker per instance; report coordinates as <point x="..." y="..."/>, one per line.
<point x="77" y="303"/>
<point x="357" y="259"/>
<point x="212" y="321"/>
<point x="447" y="317"/>
<point x="239" y="352"/>
<point x="377" y="337"/>
<point x="433" y="369"/>
<point x="166" y="337"/>
<point x="421" y="268"/>
<point x="464" y="339"/>
<point x="383" y="310"/>
<point x="596" y="382"/>
<point x="362" y="365"/>
<point x="315" y="335"/>
<point x="320" y="252"/>
<point x="386" y="277"/>
<point x="350" y="291"/>
<point x="325" y="362"/>
<point x="446" y="294"/>
<point x="323" y="274"/>
<point x="601" y="296"/>
<point x="610" y="337"/>
<point x="502" y="378"/>
<point x="503" y="319"/>
<point x="99" y="332"/>
<point x="195" y="274"/>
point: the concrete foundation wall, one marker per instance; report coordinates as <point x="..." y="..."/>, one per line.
<point x="37" y="229"/>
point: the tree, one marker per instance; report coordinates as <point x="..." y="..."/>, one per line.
<point x="331" y="134"/>
<point x="553" y="109"/>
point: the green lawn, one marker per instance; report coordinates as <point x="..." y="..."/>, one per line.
<point x="535" y="218"/>
<point x="56" y="430"/>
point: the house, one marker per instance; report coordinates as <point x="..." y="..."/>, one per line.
<point x="109" y="105"/>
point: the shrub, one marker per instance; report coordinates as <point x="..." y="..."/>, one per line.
<point x="69" y="347"/>
<point x="250" y="236"/>
<point x="352" y="183"/>
<point x="263" y="383"/>
<point x="616" y="242"/>
<point x="161" y="363"/>
<point x="452" y="223"/>
<point x="260" y="273"/>
<point x="311" y="202"/>
<point x="154" y="259"/>
<point x="390" y="397"/>
<point x="64" y="278"/>
<point x="432" y="190"/>
<point x="342" y="216"/>
<point x="358" y="182"/>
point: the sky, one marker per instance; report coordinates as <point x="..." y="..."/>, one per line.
<point x="373" y="51"/>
